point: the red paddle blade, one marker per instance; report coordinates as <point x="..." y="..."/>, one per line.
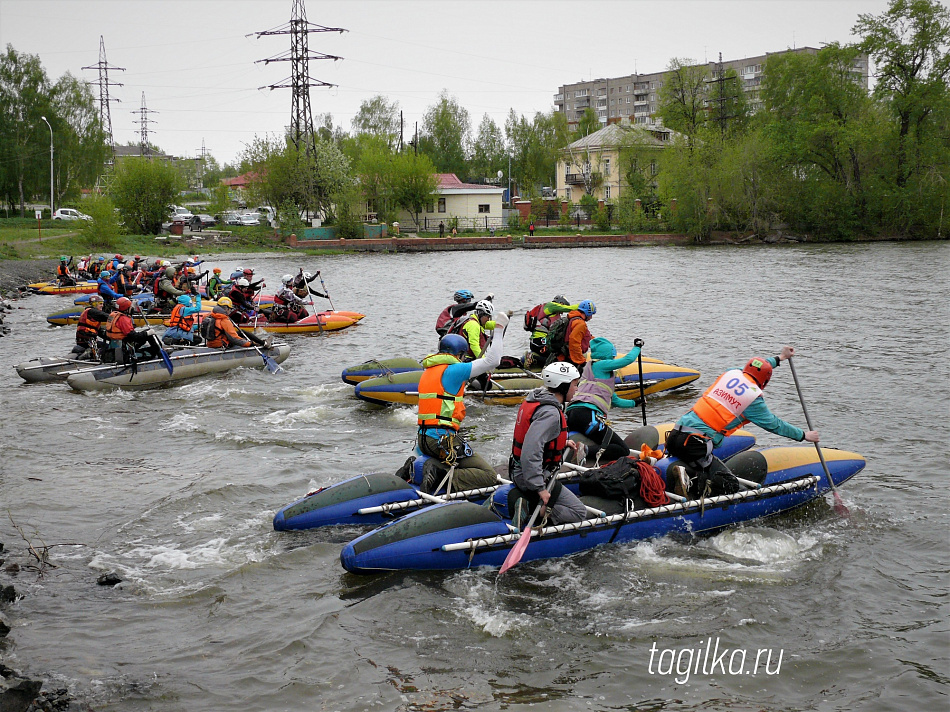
<point x="517" y="551"/>
<point x="840" y="508"/>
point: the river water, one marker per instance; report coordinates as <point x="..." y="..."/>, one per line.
<point x="175" y="489"/>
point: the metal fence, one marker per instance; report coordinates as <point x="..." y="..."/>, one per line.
<point x="427" y="224"/>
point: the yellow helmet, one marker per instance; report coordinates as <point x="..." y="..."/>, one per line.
<point x="225" y="302"/>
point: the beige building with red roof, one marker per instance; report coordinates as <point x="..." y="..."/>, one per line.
<point x="476" y="206"/>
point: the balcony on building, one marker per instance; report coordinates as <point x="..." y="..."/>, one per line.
<point x="578" y="178"/>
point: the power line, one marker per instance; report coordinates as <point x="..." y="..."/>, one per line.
<point x="105" y="114"/>
<point x="143" y="121"/>
<point x="300" y="81"/>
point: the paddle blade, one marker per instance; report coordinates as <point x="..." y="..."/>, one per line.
<point x="517" y="551"/>
<point x="840" y="508"/>
<point x="271" y="364"/>
<point x="167" y="361"/>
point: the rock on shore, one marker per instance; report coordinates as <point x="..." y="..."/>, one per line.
<point x="19" y="273"/>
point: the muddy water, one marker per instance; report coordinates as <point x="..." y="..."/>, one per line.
<point x="175" y="489"/>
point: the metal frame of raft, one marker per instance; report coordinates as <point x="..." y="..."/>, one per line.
<point x="687" y="507"/>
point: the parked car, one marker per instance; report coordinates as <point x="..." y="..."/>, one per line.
<point x="70" y="214"/>
<point x="177" y="213"/>
<point x="249" y="219"/>
<point x="231" y="219"/>
<point x="201" y="221"/>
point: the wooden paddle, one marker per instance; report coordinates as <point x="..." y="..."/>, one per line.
<point x="840" y="507"/>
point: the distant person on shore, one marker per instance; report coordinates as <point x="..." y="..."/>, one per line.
<point x="441" y="229"/>
<point x="733" y="400"/>
<point x="531" y="228"/>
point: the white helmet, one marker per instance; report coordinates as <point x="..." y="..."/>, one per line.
<point x="242" y="282"/>
<point x="558" y="373"/>
<point x="287" y="278"/>
<point x="485" y="308"/>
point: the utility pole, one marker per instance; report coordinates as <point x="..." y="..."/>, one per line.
<point x="400" y="131"/>
<point x="105" y="113"/>
<point x="200" y="158"/>
<point x="299" y="81"/>
<point x="720" y="98"/>
<point x="143" y="121"/>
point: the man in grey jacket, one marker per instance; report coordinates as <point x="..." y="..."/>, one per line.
<point x="539" y="441"/>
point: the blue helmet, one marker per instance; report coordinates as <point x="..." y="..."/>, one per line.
<point x="105" y="274"/>
<point x="184" y="300"/>
<point x="463" y="295"/>
<point x="453" y="344"/>
<point x="587" y="308"/>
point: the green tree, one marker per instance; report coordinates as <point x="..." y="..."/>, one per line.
<point x="101" y="232"/>
<point x="142" y="190"/>
<point x="587" y="124"/>
<point x="535" y="146"/>
<point x="24" y="137"/>
<point x="819" y="124"/>
<point x="415" y="183"/>
<point x="446" y="135"/>
<point x="488" y="151"/>
<point x="682" y="97"/>
<point x="379" y="117"/>
<point x="728" y="108"/>
<point x="376" y="172"/>
<point x="909" y="43"/>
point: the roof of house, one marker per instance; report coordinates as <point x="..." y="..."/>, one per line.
<point x="612" y="134"/>
<point x="450" y="181"/>
<point x="239" y="181"/>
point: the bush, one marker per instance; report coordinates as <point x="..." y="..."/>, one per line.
<point x="142" y="190"/>
<point x="102" y="232"/>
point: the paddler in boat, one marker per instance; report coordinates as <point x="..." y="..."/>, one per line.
<point x="476" y="328"/>
<point x="537" y="447"/>
<point x="587" y="411"/>
<point x="221" y="333"/>
<point x="537" y="321"/>
<point x="167" y="290"/>
<point x="464" y="303"/>
<point x="733" y="400"/>
<point x="442" y="410"/>
<point x="288" y="307"/>
<point x="62" y="272"/>
<point x="125" y="339"/>
<point x="571" y="345"/>
<point x="90" y="328"/>
<point x="183" y="324"/>
<point x="301" y="285"/>
<point x="217" y="284"/>
<point x="105" y="290"/>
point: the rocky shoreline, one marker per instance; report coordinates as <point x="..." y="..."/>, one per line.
<point x="15" y="274"/>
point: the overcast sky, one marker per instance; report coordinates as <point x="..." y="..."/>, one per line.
<point x="197" y="67"/>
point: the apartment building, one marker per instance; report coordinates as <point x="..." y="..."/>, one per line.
<point x="636" y="96"/>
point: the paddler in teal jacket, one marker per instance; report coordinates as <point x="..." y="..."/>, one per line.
<point x="587" y="411"/>
<point x="733" y="400"/>
<point x="441" y="412"/>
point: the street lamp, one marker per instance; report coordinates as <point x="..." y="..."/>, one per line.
<point x="51" y="206"/>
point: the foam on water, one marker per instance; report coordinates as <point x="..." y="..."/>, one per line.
<point x="181" y="422"/>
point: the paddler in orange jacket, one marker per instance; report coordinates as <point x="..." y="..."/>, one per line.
<point x="732" y="401"/>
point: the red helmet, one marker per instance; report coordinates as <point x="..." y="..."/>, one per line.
<point x="118" y="256"/>
<point x="123" y="304"/>
<point x="760" y="370"/>
<point x="248" y="272"/>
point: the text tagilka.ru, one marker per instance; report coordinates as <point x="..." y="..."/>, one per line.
<point x="709" y="658"/>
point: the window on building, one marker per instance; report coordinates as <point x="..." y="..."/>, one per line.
<point x="606" y="166"/>
<point x="484" y="208"/>
<point x="441" y="205"/>
<point x="567" y="194"/>
<point x="628" y="99"/>
<point x="653" y="168"/>
<point x="606" y="192"/>
<point x="430" y="207"/>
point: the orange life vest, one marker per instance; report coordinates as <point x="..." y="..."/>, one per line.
<point x="178" y="321"/>
<point x="437" y="407"/>
<point x="725" y="400"/>
<point x="87" y="327"/>
<point x="112" y="329"/>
